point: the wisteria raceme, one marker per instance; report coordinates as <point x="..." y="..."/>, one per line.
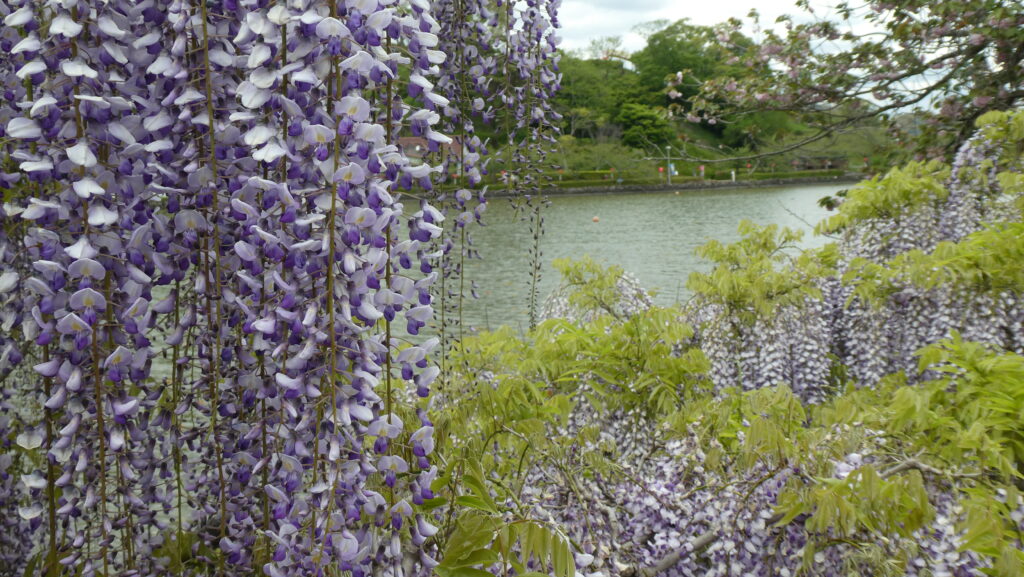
<point x="501" y="74"/>
<point x="974" y="193"/>
<point x="914" y="210"/>
<point x="630" y="299"/>
<point x="530" y="69"/>
<point x="15" y="535"/>
<point x="17" y="529"/>
<point x="207" y="264"/>
<point x="677" y="515"/>
<point x="468" y="34"/>
<point x="792" y="348"/>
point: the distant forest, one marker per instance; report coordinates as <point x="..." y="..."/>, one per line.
<point x="632" y="113"/>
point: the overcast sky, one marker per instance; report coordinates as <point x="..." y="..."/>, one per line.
<point x="585" y="20"/>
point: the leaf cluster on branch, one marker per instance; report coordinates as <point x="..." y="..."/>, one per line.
<point x="928" y="68"/>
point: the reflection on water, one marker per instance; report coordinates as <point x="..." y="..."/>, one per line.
<point x="651" y="235"/>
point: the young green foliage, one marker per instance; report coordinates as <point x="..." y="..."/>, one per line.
<point x="888" y="196"/>
<point x="750" y="277"/>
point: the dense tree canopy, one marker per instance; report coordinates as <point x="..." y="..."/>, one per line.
<point x="592" y="91"/>
<point x="603" y="87"/>
<point x="924" y="69"/>
<point x="644" y="127"/>
<point x="681" y="47"/>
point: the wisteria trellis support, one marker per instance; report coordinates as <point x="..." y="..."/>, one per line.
<point x="219" y="178"/>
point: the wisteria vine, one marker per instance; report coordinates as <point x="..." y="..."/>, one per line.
<point x="857" y="317"/>
<point x="210" y="262"/>
<point x="835" y="411"/>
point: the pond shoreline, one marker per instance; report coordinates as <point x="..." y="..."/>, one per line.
<point x="689" y="185"/>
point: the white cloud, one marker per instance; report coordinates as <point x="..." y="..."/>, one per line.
<point x="586" y="20"/>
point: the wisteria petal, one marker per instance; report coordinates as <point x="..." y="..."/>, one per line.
<point x="71" y="324"/>
<point x="87" y="188"/>
<point x="77" y="68"/>
<point x="8" y="280"/>
<point x="88" y="298"/>
<point x="81" y="249"/>
<point x="87" y="267"/>
<point x="332" y="27"/>
<point x="82" y="155"/>
<point x="100" y="216"/>
<point x="20" y="127"/>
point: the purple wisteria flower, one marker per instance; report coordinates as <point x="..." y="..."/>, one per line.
<point x="207" y="263"/>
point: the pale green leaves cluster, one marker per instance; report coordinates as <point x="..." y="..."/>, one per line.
<point x="763" y="271"/>
<point x="890" y="195"/>
<point x="958" y="430"/>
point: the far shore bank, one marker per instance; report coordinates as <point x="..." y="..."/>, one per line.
<point x="690" y="185"/>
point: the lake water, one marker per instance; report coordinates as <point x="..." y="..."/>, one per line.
<point x="651" y="235"/>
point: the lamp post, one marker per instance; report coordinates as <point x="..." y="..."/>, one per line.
<point x="667" y="158"/>
<point x="668" y="163"/>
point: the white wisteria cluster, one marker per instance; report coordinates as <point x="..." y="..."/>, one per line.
<point x="874" y="339"/>
<point x="800" y="345"/>
<point x="629" y="299"/>
<point x="789" y="348"/>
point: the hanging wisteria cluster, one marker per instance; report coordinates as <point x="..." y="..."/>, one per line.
<point x="212" y="240"/>
<point x="800" y="344"/>
<point x="873" y="339"/>
<point x="499" y="76"/>
<point x="677" y="514"/>
<point x="789" y="347"/>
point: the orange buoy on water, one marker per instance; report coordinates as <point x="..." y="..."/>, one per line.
<point x="596" y="219"/>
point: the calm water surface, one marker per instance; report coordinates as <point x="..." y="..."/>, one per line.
<point x="652" y="235"/>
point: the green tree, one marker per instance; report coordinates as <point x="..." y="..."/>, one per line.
<point x="684" y="50"/>
<point x="754" y="131"/>
<point x="592" y="91"/>
<point x="643" y="126"/>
